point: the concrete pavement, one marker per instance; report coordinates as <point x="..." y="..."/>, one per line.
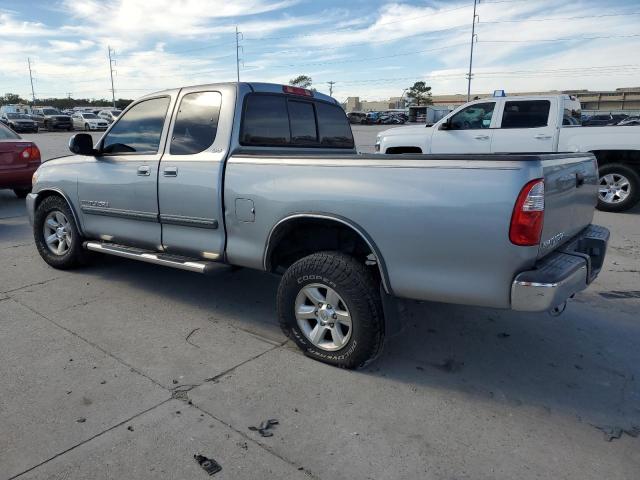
<point x="126" y="370"/>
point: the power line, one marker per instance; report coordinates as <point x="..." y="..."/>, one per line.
<point x="533" y="40"/>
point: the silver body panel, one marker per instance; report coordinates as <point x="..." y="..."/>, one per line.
<point x="438" y="225"/>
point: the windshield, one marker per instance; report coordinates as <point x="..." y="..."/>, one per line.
<point x="89" y="115"/>
<point x="17" y="115"/>
<point x="50" y="111"/>
<point x="115" y="113"/>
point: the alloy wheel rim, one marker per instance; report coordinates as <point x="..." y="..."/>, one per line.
<point x="323" y="317"/>
<point x="614" y="188"/>
<point x="57" y="233"/>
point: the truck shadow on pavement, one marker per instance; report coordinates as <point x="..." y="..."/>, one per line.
<point x="584" y="363"/>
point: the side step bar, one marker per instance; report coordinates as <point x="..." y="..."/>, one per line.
<point x="148" y="256"/>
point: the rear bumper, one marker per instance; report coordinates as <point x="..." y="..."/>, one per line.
<point x="561" y="274"/>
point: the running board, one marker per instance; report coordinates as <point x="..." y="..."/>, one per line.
<point x="149" y="256"/>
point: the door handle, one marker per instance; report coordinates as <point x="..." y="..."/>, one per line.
<point x="144" y="171"/>
<point x="542" y="136"/>
<point x="170" y="172"/>
<point x="481" y="137"/>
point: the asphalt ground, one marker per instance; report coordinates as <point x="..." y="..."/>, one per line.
<point x="126" y="370"/>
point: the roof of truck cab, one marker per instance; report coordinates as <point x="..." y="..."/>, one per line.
<point x="255" y="86"/>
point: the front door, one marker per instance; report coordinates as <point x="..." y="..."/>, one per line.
<point x="117" y="189"/>
<point x="469" y="131"/>
<point x="191" y="173"/>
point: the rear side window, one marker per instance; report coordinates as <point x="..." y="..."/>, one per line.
<point x="526" y="114"/>
<point x="139" y="130"/>
<point x="196" y="123"/>
<point x="7" y="134"/>
<point x="334" y="127"/>
<point x="266" y="121"/>
<point x="281" y="120"/>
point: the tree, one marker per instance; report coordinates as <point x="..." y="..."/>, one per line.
<point x="11" y="98"/>
<point x="419" y="94"/>
<point x="303" y="81"/>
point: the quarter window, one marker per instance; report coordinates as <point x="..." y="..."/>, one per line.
<point x="139" y="130"/>
<point x="526" y="114"/>
<point x="196" y="123"/>
<point x="473" y="117"/>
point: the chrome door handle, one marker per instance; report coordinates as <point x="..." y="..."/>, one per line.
<point x="170" y="172"/>
<point x="144" y="171"/>
<point x="481" y="137"/>
<point x="542" y="136"/>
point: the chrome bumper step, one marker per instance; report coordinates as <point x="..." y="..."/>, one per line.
<point x="149" y="256"/>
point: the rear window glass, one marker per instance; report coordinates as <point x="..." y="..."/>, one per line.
<point x="196" y="123"/>
<point x="526" y="114"/>
<point x="334" y="127"/>
<point x="266" y="121"/>
<point x="7" y="134"/>
<point x="303" y="123"/>
<point x="280" y="120"/>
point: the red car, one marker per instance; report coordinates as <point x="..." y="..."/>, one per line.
<point x="18" y="160"/>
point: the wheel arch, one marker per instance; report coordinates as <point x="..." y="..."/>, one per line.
<point x="625" y="156"/>
<point x="53" y="191"/>
<point x="285" y="228"/>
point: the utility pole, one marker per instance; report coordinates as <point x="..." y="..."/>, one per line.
<point x="473" y="37"/>
<point x="113" y="91"/>
<point x="33" y="94"/>
<point x="238" y="47"/>
<point x="331" y="84"/>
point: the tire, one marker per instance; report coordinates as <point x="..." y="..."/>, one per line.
<point x="47" y="127"/>
<point x="73" y="254"/>
<point x="619" y="187"/>
<point x="21" y="192"/>
<point x="86" y="127"/>
<point x="35" y="130"/>
<point x="357" y="311"/>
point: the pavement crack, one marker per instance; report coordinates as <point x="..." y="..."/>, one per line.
<point x="90" y="438"/>
<point x="33" y="285"/>
<point x="189" y="336"/>
<point x="216" y="378"/>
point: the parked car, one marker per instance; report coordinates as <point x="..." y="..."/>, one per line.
<point x="19" y="159"/>
<point x="605" y="119"/>
<point x="390" y="119"/>
<point x="530" y="124"/>
<point x="184" y="180"/>
<point x="51" y="119"/>
<point x="630" y="121"/>
<point x="88" y="121"/>
<point x="372" y="118"/>
<point x="357" y="117"/>
<point x="19" y="122"/>
<point x="109" y="115"/>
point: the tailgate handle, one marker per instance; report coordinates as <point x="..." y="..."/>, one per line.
<point x="579" y="179"/>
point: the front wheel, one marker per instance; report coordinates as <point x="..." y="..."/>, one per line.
<point x="56" y="235"/>
<point x="330" y="306"/>
<point x="619" y="188"/>
<point x="86" y="127"/>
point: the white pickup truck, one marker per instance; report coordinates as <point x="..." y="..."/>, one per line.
<point x="526" y="125"/>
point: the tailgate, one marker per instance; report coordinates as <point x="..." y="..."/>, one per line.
<point x="570" y="197"/>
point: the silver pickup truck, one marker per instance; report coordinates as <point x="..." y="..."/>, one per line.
<point x="267" y="177"/>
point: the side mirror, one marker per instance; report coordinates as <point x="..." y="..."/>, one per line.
<point x="445" y="125"/>
<point x="81" y="144"/>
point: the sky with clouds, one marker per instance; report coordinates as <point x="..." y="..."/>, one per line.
<point x="370" y="48"/>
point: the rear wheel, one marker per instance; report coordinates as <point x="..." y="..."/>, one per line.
<point x="619" y="188"/>
<point x="21" y="192"/>
<point x="86" y="127"/>
<point x="56" y="235"/>
<point x="329" y="304"/>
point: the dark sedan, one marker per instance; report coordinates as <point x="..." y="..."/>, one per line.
<point x="19" y="159"/>
<point x="19" y="122"/>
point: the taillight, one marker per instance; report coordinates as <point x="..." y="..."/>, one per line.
<point x="297" y="91"/>
<point x="528" y="215"/>
<point x="31" y="153"/>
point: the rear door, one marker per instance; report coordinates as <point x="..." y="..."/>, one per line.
<point x="526" y="126"/>
<point x="117" y="189"/>
<point x="469" y="130"/>
<point x="191" y="172"/>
